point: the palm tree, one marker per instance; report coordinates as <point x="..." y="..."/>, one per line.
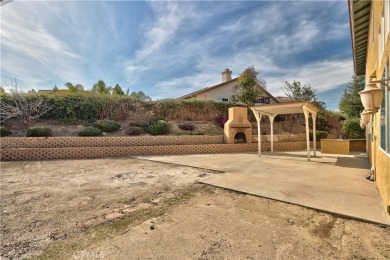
<point x="117" y="90"/>
<point x="101" y="88"/>
<point x="74" y="88"/>
<point x="140" y="95"/>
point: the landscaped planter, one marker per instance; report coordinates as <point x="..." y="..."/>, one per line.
<point x="342" y="146"/>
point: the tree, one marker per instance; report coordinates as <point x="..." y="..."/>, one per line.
<point x="101" y="88"/>
<point x="247" y="91"/>
<point x="350" y="104"/>
<point x="351" y="129"/>
<point x="55" y="88"/>
<point x="140" y="95"/>
<point x="127" y="92"/>
<point x="302" y="93"/>
<point x="74" y="88"/>
<point x="117" y="90"/>
<point x="2" y="91"/>
<point x="27" y="107"/>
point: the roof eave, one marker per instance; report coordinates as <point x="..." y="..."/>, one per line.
<point x="363" y="10"/>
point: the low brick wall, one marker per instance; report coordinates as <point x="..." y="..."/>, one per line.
<point x="75" y="141"/>
<point x="100" y="152"/>
<point x="281" y="138"/>
<point x="104" y="152"/>
<point x="73" y="147"/>
<point x="358" y="145"/>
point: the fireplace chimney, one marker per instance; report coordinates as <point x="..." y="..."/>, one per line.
<point x="226" y="75"/>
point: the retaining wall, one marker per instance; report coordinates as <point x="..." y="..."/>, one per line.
<point x="75" y="141"/>
<point x="100" y="147"/>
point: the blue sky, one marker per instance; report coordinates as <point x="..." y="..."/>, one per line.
<point x="168" y="49"/>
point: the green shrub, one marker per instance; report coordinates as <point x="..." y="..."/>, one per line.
<point x="319" y="135"/>
<point x="4" y="131"/>
<point x="90" y="131"/>
<point x="38" y="132"/>
<point x="107" y="125"/>
<point x="158" y="127"/>
<point x="351" y="129"/>
<point x="134" y="130"/>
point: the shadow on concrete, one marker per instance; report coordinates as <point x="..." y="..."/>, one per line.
<point x="352" y="162"/>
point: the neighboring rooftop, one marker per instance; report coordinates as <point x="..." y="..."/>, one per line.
<point x="226" y="79"/>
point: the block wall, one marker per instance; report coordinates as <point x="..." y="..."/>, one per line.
<point x="73" y="141"/>
<point x="102" y="147"/>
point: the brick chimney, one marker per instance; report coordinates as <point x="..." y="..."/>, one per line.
<point x="226" y="75"/>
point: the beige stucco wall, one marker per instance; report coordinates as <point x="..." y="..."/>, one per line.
<point x="335" y="146"/>
<point x="225" y="91"/>
<point x="374" y="69"/>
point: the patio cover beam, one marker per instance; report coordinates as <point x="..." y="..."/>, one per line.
<point x="273" y="110"/>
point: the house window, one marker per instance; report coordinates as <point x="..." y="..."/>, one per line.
<point x="387" y="18"/>
<point x="385" y="115"/>
<point x="263" y="100"/>
<point x="372" y="26"/>
<point x="223" y="99"/>
<point x="381" y="39"/>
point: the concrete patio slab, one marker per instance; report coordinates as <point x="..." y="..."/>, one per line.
<point x="331" y="183"/>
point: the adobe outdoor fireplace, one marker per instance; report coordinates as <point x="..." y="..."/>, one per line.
<point x="238" y="129"/>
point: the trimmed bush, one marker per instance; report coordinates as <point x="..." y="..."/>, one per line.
<point x="351" y="129"/>
<point x="107" y="125"/>
<point x="158" y="127"/>
<point x="4" y="131"/>
<point x="134" y="130"/>
<point x="38" y="132"/>
<point x="319" y="135"/>
<point x="90" y="131"/>
<point x="187" y="126"/>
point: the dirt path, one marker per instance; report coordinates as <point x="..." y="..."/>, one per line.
<point x="133" y="209"/>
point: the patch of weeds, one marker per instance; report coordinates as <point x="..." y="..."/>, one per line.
<point x="64" y="249"/>
<point x="190" y="133"/>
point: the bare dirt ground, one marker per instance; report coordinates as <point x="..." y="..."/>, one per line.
<point x="129" y="208"/>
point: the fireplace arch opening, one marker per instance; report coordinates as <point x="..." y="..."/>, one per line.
<point x="239" y="138"/>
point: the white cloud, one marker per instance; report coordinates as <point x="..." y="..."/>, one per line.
<point x="275" y="44"/>
<point x="321" y="75"/>
<point x="182" y="46"/>
<point x="30" y="52"/>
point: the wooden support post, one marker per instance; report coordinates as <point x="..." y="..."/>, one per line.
<point x="258" y="118"/>
<point x="306" y="113"/>
<point x="313" y="117"/>
<point x="271" y="119"/>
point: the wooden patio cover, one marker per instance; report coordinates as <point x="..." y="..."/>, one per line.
<point x="273" y="110"/>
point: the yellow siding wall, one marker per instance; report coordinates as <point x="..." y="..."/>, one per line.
<point x="382" y="165"/>
<point x="374" y="69"/>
